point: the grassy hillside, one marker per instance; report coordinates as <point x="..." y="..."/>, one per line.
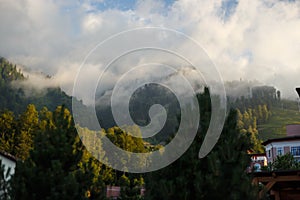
<point x="284" y="113"/>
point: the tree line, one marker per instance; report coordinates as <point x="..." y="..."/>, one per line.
<point x="52" y="161"/>
<point x="14" y="98"/>
<point x="220" y="175"/>
<point x="56" y="165"/>
<point x="248" y="120"/>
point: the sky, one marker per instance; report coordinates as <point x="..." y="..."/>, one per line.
<point x="251" y="40"/>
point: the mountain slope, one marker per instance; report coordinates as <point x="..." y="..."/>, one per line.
<point x="14" y="99"/>
<point x="285" y="113"/>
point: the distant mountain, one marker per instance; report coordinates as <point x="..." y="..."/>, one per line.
<point x="241" y="95"/>
<point x="139" y="106"/>
<point x="14" y="99"/>
<point x="282" y="111"/>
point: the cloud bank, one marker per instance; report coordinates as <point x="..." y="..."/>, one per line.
<point x="255" y="40"/>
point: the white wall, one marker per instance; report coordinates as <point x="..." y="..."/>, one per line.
<point x="283" y="144"/>
<point x="274" y="145"/>
<point x="8" y="164"/>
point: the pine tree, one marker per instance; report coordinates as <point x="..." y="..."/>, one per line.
<point x="7" y="132"/>
<point x="240" y="123"/>
<point x="265" y="113"/>
<point x="220" y="175"/>
<point x="246" y="119"/>
<point x="27" y="125"/>
<point x="50" y="171"/>
<point x="285" y="162"/>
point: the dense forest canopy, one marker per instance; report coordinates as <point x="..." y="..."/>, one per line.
<point x="14" y="98"/>
<point x="53" y="163"/>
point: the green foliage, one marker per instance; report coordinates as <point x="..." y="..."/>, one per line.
<point x="229" y="159"/>
<point x="91" y="177"/>
<point x="247" y="124"/>
<point x="285" y="162"/>
<point x="16" y="134"/>
<point x="55" y="165"/>
<point x="262" y="95"/>
<point x="271" y="111"/>
<point x="10" y="98"/>
<point x="276" y="125"/>
<point x="139" y="105"/>
<point x="8" y="71"/>
<point x="7" y="132"/>
<point x="131" y="187"/>
<point x="220" y="175"/>
<point x="27" y="126"/>
<point x="131" y="184"/>
<point x="126" y="141"/>
<point x="54" y="169"/>
<point x="14" y="98"/>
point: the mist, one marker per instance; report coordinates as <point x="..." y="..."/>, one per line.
<point x="253" y="40"/>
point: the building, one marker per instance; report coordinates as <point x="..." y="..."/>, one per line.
<point x="281" y="146"/>
<point x="113" y="192"/>
<point x="8" y="161"/>
<point x="258" y="160"/>
<point x="281" y="184"/>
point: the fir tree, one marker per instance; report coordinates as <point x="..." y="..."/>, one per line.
<point x="50" y="171"/>
<point x="220" y="175"/>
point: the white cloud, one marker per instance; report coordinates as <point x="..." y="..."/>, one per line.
<point x="92" y="23"/>
<point x="259" y="41"/>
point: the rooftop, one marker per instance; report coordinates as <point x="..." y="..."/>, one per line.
<point x="282" y="139"/>
<point x="8" y="156"/>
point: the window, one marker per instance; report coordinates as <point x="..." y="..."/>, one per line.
<point x="295" y="151"/>
<point x="269" y="153"/>
<point x="279" y="151"/>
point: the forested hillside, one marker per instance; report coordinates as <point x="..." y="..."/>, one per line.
<point x="265" y="113"/>
<point x="261" y="112"/>
<point x="14" y="99"/>
<point x="139" y="105"/>
<point x="282" y="115"/>
<point x="53" y="162"/>
<point x="220" y="175"/>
